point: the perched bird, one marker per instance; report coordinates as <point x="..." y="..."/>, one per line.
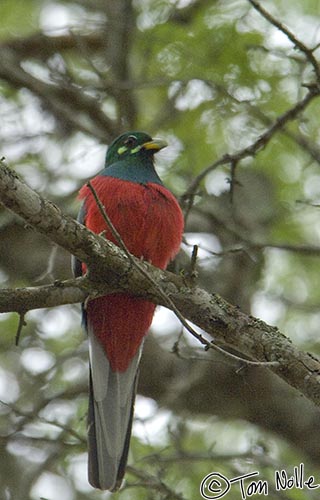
<point x="150" y="223"/>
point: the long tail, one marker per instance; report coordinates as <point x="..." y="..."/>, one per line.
<point x="111" y="405"/>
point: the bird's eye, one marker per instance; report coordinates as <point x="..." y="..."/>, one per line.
<point x="131" y="141"/>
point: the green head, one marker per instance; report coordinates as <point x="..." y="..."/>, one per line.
<point x="130" y="157"/>
<point x="133" y="145"/>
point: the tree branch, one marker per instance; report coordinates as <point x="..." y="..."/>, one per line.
<point x="291" y="36"/>
<point x="42" y="46"/>
<point x="260" y="143"/>
<point x="64" y="101"/>
<point x="111" y="270"/>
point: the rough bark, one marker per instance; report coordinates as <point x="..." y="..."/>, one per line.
<point x="111" y="269"/>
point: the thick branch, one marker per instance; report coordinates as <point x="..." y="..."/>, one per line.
<point x="42" y="46"/>
<point x="24" y="299"/>
<point x="111" y="269"/>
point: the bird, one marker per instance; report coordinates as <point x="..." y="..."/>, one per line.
<point x="150" y="222"/>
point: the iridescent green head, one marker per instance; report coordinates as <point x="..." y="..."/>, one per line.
<point x="130" y="158"/>
<point x="133" y="145"/>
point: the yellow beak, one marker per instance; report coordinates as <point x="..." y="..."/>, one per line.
<point x="154" y="145"/>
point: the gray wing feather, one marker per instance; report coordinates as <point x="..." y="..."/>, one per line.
<point x="111" y="404"/>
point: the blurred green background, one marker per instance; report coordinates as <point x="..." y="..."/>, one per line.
<point x="210" y="77"/>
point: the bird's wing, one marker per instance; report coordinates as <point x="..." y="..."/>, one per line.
<point x="111" y="405"/>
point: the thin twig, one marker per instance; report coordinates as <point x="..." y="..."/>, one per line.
<point x="122" y="245"/>
<point x="297" y="43"/>
<point x="152" y="482"/>
<point x="30" y="416"/>
<point x="242" y="360"/>
<point x="107" y="220"/>
<point x="206" y="343"/>
<point x="257" y="145"/>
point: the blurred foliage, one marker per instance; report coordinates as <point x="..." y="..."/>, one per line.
<point x="210" y="77"/>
